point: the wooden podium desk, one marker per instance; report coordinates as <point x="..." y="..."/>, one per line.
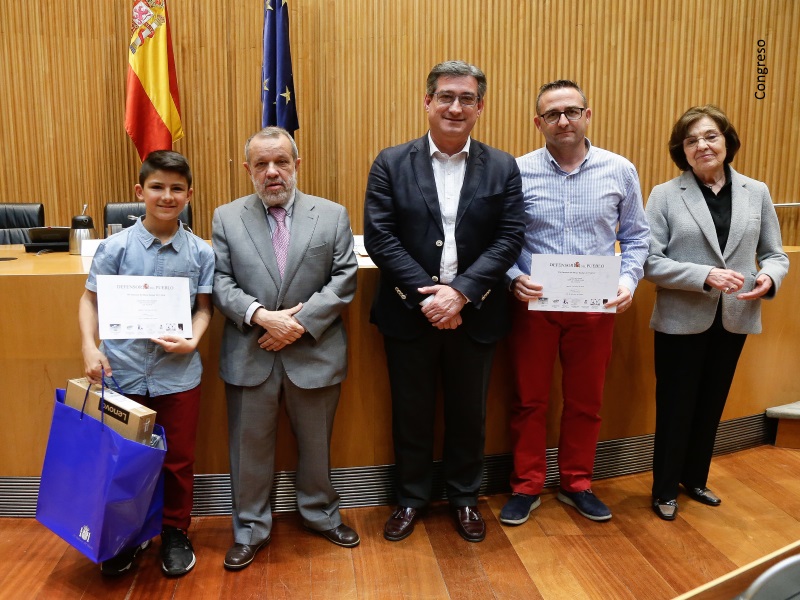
<point x="40" y="350"/>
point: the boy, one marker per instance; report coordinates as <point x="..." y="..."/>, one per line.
<point x="162" y="373"/>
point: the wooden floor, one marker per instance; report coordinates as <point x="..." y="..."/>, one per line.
<point x="556" y="555"/>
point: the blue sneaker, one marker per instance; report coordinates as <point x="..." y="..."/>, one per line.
<point x="586" y="503"/>
<point x="518" y="509"/>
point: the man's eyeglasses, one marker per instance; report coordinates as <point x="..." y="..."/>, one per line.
<point x="448" y="98"/>
<point x="690" y="143"/>
<point x="573" y="113"/>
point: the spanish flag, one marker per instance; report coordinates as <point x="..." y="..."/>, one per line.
<point x="152" y="109"/>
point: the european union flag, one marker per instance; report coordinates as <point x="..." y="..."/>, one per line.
<point x="278" y="103"/>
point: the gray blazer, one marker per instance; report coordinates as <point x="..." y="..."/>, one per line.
<point x="320" y="271"/>
<point x="684" y="248"/>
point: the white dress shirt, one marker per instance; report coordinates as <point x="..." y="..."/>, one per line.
<point x="448" y="171"/>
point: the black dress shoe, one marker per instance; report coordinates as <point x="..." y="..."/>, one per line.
<point x="241" y="555"/>
<point x="469" y="523"/>
<point x="665" y="509"/>
<point x="703" y="495"/>
<point x="401" y="524"/>
<point x="341" y="535"/>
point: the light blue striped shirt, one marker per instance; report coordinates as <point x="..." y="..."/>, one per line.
<point x="578" y="212"/>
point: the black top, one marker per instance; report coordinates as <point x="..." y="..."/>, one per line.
<point x="719" y="205"/>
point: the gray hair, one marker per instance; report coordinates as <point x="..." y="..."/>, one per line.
<point x="270" y="131"/>
<point x="455" y="68"/>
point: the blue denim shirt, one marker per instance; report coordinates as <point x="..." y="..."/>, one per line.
<point x="141" y="366"/>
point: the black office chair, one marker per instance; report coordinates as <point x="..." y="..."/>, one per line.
<point x="15" y="219"/>
<point x="126" y="213"/>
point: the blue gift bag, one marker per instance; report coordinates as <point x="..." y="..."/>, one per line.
<point x="99" y="491"/>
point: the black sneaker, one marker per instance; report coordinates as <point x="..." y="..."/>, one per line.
<point x="122" y="562"/>
<point x="177" y="554"/>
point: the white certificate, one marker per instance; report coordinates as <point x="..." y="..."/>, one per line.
<point x="575" y="283"/>
<point x="133" y="307"/>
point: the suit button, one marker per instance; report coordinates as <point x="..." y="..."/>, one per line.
<point x="439" y="243"/>
<point x="435" y="278"/>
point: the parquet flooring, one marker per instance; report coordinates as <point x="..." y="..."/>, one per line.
<point x="556" y="555"/>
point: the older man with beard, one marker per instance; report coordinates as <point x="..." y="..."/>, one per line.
<point x="285" y="270"/>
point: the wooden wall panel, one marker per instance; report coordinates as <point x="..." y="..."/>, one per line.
<point x="360" y="68"/>
<point x="39" y="350"/>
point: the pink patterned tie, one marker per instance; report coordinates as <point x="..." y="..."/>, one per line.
<point x="280" y="239"/>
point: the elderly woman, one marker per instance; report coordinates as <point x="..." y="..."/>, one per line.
<point x="715" y="251"/>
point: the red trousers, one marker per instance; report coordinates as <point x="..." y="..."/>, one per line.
<point x="178" y="414"/>
<point x="582" y="341"/>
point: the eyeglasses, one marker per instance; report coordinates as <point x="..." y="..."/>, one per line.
<point x="710" y="138"/>
<point x="448" y="98"/>
<point x="573" y="113"/>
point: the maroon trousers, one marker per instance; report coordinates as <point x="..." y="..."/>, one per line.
<point x="178" y="414"/>
<point x="582" y="341"/>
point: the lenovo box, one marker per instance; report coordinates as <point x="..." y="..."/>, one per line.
<point x="125" y="416"/>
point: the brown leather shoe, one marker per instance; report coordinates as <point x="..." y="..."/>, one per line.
<point x="401" y="524"/>
<point x="341" y="535"/>
<point x="241" y="555"/>
<point x="469" y="523"/>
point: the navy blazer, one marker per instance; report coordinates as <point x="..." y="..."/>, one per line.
<point x="404" y="236"/>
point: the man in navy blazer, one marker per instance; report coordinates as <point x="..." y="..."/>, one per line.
<point x="443" y="220"/>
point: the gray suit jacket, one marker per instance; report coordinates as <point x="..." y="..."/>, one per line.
<point x="320" y="272"/>
<point x="684" y="248"/>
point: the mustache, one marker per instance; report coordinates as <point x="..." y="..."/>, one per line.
<point x="272" y="196"/>
<point x="268" y="182"/>
<point x="265" y="183"/>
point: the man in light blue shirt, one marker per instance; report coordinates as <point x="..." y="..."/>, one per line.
<point x="579" y="199"/>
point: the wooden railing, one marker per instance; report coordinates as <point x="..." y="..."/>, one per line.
<point x="790" y="222"/>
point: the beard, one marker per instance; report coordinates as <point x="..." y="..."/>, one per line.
<point x="275" y="197"/>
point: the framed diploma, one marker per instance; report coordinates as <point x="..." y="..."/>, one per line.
<point x="574" y="282"/>
<point x="133" y="307"/>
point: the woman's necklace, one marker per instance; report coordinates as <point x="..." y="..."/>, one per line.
<point x="713" y="184"/>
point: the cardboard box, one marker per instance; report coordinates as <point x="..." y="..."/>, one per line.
<point x="125" y="416"/>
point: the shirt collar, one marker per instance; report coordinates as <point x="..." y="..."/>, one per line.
<point x="434" y="149"/>
<point x="288" y="206"/>
<point x="554" y="162"/>
<point x="148" y="239"/>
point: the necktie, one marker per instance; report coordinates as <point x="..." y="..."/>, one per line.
<point x="280" y="239"/>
